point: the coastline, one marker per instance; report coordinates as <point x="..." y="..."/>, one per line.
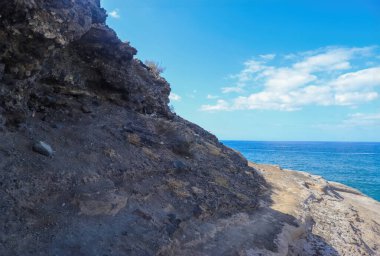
<point x="354" y="164"/>
<point x="332" y="218"/>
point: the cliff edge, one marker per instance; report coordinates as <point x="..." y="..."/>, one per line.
<point x="93" y="162"/>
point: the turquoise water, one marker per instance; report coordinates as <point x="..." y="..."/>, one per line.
<point x="356" y="164"/>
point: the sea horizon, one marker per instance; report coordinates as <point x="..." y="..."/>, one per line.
<point x="311" y="141"/>
<point x="354" y="164"/>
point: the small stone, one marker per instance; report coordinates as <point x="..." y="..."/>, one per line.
<point x="196" y="190"/>
<point x="43" y="149"/>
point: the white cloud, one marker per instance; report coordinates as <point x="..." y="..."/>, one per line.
<point x="268" y="56"/>
<point x="290" y="56"/>
<point x="368" y="78"/>
<point x="283" y="79"/>
<point x="220" y="105"/>
<point x="363" y="119"/>
<point x="212" y="97"/>
<point x="352" y="98"/>
<point x="174" y="97"/>
<point x="329" y="76"/>
<point x="264" y="99"/>
<point x="251" y="68"/>
<point x="335" y="59"/>
<point x="115" y="14"/>
<point x="237" y="89"/>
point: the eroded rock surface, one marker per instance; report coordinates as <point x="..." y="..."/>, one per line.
<point x="332" y="219"/>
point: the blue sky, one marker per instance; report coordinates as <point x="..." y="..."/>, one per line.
<point x="264" y="69"/>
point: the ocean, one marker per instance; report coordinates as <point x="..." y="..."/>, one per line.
<point x="356" y="164"/>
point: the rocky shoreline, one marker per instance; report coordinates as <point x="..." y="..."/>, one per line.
<point x="332" y="219"/>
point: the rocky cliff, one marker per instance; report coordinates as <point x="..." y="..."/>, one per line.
<point x="92" y="161"/>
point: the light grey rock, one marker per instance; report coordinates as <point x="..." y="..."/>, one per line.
<point x="43" y="148"/>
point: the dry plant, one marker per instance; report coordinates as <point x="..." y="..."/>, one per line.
<point x="154" y="67"/>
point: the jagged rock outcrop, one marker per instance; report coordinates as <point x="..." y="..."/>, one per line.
<point x="92" y="161"/>
<point x="53" y="49"/>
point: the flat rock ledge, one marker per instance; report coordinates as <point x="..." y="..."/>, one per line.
<point x="330" y="218"/>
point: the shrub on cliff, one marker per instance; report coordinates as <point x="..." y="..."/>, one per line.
<point x="154" y="67"/>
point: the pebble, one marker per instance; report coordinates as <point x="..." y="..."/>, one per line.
<point x="43" y="148"/>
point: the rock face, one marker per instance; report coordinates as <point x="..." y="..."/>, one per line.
<point x="54" y="52"/>
<point x="127" y="176"/>
<point x="126" y="173"/>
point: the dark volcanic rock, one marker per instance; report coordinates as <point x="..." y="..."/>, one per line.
<point x="111" y="190"/>
<point x="54" y="52"/>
